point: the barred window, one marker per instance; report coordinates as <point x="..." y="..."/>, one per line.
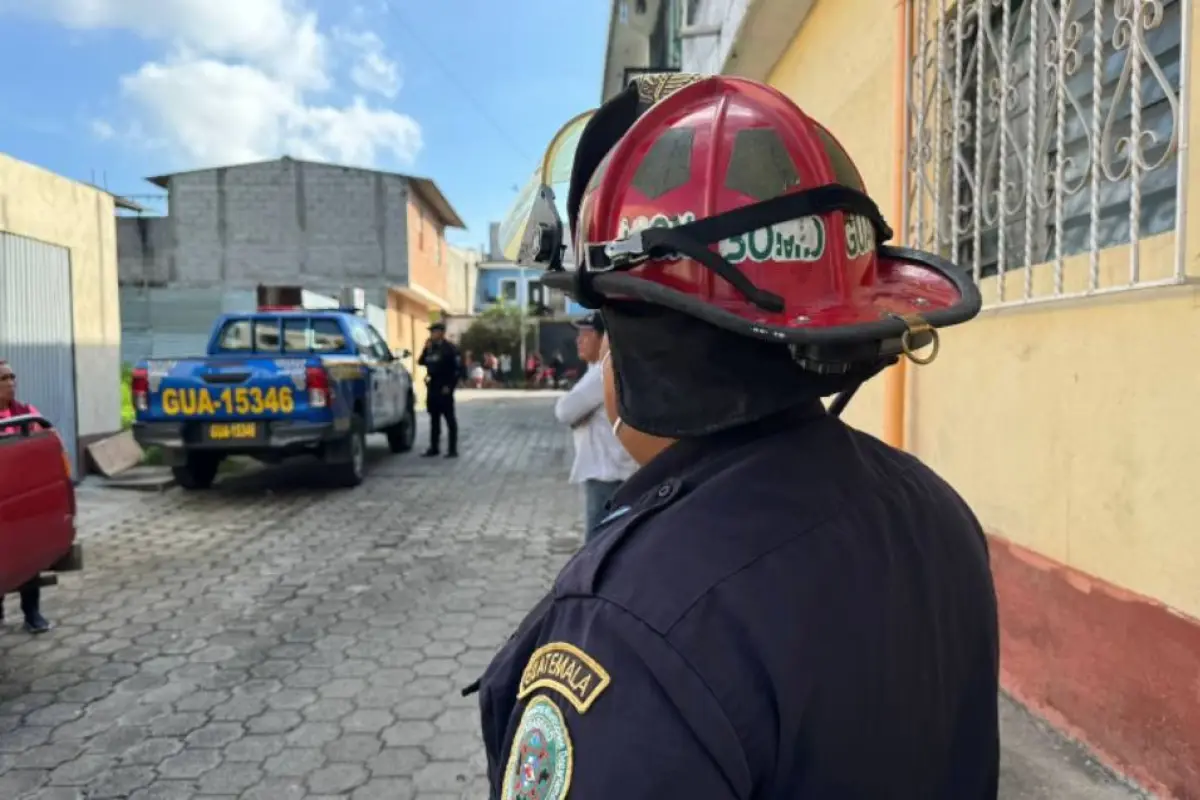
<point x="1040" y="129"/>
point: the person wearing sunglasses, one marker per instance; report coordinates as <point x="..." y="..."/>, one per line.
<point x="777" y="606"/>
<point x="31" y="592"/>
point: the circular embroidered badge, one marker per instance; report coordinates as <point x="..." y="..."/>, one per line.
<point x="539" y="763"/>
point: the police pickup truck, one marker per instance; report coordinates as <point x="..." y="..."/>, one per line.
<point x="276" y="384"/>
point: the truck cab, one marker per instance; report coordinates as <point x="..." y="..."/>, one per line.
<point x="37" y="504"/>
<point x="275" y="384"/>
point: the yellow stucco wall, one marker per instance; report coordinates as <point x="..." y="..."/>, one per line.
<point x="48" y="207"/>
<point x="856" y="107"/>
<point x="1069" y="426"/>
<point x="408" y="329"/>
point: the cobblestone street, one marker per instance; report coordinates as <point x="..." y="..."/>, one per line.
<point x="275" y="638"/>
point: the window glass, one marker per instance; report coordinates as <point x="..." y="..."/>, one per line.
<point x="327" y="336"/>
<point x="295" y="335"/>
<point x="362" y="339"/>
<point x="299" y="335"/>
<point x="249" y="336"/>
<point x="378" y="345"/>
<point x="237" y="335"/>
<point x="266" y="335"/>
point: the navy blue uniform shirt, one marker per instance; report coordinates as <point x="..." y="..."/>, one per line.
<point x="787" y="611"/>
<point x="442" y="363"/>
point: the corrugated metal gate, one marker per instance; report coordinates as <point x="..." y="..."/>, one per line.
<point x="37" y="332"/>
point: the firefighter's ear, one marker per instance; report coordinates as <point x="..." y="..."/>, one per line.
<point x="610" y="387"/>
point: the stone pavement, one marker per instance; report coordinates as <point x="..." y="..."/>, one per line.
<point x="276" y="638"/>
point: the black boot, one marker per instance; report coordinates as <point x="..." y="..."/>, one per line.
<point x="452" y="454"/>
<point x="433" y="451"/>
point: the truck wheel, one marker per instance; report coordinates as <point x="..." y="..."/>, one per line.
<point x="351" y="466"/>
<point x="403" y="434"/>
<point x="198" y="472"/>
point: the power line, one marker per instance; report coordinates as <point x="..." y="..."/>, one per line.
<point x="480" y="107"/>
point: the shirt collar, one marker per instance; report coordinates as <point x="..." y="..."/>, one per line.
<point x="685" y="454"/>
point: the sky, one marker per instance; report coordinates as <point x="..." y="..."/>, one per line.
<point x="466" y="92"/>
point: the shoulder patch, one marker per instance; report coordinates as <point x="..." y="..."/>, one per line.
<point x="564" y="668"/>
<point x="541" y="758"/>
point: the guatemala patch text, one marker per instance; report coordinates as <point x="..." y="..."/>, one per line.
<point x="564" y="668"/>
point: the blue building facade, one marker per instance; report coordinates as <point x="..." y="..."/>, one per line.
<point x="511" y="284"/>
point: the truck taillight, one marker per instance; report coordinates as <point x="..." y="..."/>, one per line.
<point x="317" y="380"/>
<point x="67" y="472"/>
<point x="139" y="387"/>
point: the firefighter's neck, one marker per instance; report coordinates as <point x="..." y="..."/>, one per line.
<point x="642" y="447"/>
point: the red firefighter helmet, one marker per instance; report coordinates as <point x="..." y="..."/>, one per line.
<point x="725" y="201"/>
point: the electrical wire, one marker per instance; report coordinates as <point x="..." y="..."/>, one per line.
<point x="480" y="107"/>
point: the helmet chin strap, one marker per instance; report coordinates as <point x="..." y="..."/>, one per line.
<point x="695" y="239"/>
<point x="842" y="399"/>
<point x="618" y="423"/>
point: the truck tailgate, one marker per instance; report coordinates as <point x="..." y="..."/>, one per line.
<point x="36" y="507"/>
<point x="229" y="389"/>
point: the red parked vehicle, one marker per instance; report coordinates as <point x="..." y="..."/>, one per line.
<point x="37" y="504"/>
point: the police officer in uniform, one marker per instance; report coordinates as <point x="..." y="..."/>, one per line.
<point x="443" y="370"/>
<point x="777" y="606"/>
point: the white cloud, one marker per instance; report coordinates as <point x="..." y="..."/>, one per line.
<point x="279" y="36"/>
<point x="257" y="116"/>
<point x="102" y="130"/>
<point x="243" y="80"/>
<point x="373" y="71"/>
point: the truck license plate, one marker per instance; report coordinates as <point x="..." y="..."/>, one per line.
<point x="233" y="430"/>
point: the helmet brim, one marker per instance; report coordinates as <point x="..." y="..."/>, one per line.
<point x="910" y="284"/>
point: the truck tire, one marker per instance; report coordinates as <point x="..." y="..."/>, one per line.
<point x="197" y="472"/>
<point x="403" y="435"/>
<point x="351" y="465"/>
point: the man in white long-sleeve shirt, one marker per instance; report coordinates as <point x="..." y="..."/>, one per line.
<point x="601" y="463"/>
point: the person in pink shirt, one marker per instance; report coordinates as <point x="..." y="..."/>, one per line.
<point x="31" y="592"/>
<point x="9" y="405"/>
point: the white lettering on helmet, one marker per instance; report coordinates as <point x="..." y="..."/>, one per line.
<point x="636" y="224"/>
<point x="796" y="240"/>
<point x="860" y="236"/>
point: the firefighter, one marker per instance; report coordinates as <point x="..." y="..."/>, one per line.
<point x="777" y="606"/>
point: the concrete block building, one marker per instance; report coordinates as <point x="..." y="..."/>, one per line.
<point x="238" y="234"/>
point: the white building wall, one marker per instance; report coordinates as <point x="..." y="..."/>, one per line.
<point x="707" y="54"/>
<point x="462" y="276"/>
